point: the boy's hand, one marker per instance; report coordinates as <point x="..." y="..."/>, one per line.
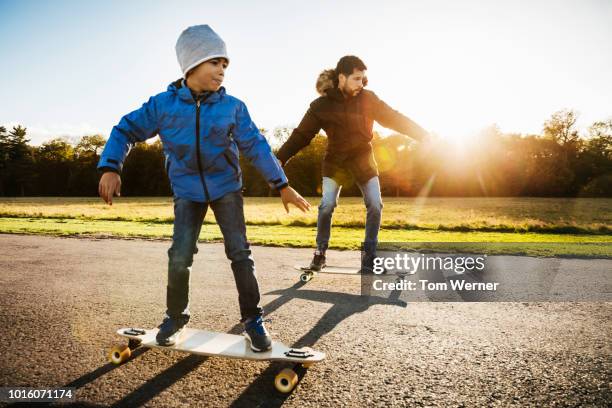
<point x="110" y="184"/>
<point x="290" y="196"/>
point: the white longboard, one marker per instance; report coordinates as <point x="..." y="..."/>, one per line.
<point x="307" y="273"/>
<point x="340" y="270"/>
<point x="207" y="343"/>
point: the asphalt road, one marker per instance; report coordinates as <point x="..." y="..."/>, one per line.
<point x="62" y="300"/>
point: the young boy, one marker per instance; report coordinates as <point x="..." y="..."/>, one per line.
<point x="202" y="130"/>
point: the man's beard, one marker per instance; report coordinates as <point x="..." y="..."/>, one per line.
<point x="351" y="92"/>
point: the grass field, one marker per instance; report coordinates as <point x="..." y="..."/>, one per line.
<point x="539" y="226"/>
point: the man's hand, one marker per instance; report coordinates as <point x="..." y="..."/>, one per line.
<point x="110" y="184"/>
<point x="290" y="196"/>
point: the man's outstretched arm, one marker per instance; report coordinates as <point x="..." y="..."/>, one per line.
<point x="392" y="119"/>
<point x="300" y="137"/>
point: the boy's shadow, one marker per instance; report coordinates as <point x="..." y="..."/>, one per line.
<point x="344" y="305"/>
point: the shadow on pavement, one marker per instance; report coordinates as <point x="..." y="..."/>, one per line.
<point x="160" y="382"/>
<point x="99" y="372"/>
<point x="55" y="404"/>
<point x="261" y="392"/>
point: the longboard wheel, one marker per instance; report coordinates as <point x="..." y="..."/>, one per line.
<point x="119" y="354"/>
<point x="305" y="277"/>
<point x="307" y="365"/>
<point x="134" y="343"/>
<point x="286" y="380"/>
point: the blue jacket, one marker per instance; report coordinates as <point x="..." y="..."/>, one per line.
<point x="201" y="142"/>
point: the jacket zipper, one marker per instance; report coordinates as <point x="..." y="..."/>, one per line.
<point x="198" y="154"/>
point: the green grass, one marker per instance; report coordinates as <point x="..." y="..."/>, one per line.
<point x="542" y="227"/>
<point x="545" y="215"/>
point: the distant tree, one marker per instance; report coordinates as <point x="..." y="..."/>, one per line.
<point x="84" y="176"/>
<point x="561" y="127"/>
<point x="20" y="165"/>
<point x="4" y="158"/>
<point x="56" y="150"/>
<point x="54" y="167"/>
<point x="144" y="173"/>
<point x="90" y="145"/>
<point x="280" y="135"/>
<point x="560" y="162"/>
<point x="600" y="139"/>
<point x="594" y="165"/>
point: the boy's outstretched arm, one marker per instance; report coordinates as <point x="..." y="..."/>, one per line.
<point x="136" y="126"/>
<point x="255" y="147"/>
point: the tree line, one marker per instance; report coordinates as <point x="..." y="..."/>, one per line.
<point x="560" y="162"/>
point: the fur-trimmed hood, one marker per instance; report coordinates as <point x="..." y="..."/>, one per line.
<point x="325" y="81"/>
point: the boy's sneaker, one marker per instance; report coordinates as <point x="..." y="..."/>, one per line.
<point x="170" y="331"/>
<point x="318" y="262"/>
<point x="257" y="334"/>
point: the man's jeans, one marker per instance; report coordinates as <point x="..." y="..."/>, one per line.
<point x="188" y="218"/>
<point x="373" y="202"/>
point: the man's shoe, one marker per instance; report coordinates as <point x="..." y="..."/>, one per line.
<point x="367" y="264"/>
<point x="257" y="334"/>
<point x="170" y="331"/>
<point x="318" y="262"/>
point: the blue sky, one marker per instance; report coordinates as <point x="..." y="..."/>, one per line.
<point x="72" y="68"/>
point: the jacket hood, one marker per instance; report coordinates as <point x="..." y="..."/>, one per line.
<point x="175" y="85"/>
<point x="184" y="93"/>
<point x="325" y="81"/>
<point x="325" y="84"/>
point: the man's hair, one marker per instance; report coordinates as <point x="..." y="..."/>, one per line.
<point x="346" y="65"/>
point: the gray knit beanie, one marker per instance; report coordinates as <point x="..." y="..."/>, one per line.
<point x="198" y="44"/>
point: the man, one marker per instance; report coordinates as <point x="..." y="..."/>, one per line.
<point x="346" y="112"/>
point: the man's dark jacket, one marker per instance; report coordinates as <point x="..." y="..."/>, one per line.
<point x="348" y="124"/>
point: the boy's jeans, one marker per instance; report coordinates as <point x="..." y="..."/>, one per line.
<point x="373" y="202"/>
<point x="188" y="218"/>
